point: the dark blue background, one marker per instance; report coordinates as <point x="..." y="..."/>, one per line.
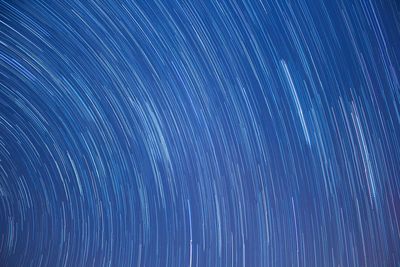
<point x="211" y="133"/>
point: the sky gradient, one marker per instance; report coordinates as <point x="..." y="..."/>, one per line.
<point x="200" y="133"/>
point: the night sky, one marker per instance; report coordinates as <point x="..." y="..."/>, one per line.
<point x="200" y="133"/>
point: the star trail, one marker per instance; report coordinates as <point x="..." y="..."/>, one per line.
<point x="200" y="133"/>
